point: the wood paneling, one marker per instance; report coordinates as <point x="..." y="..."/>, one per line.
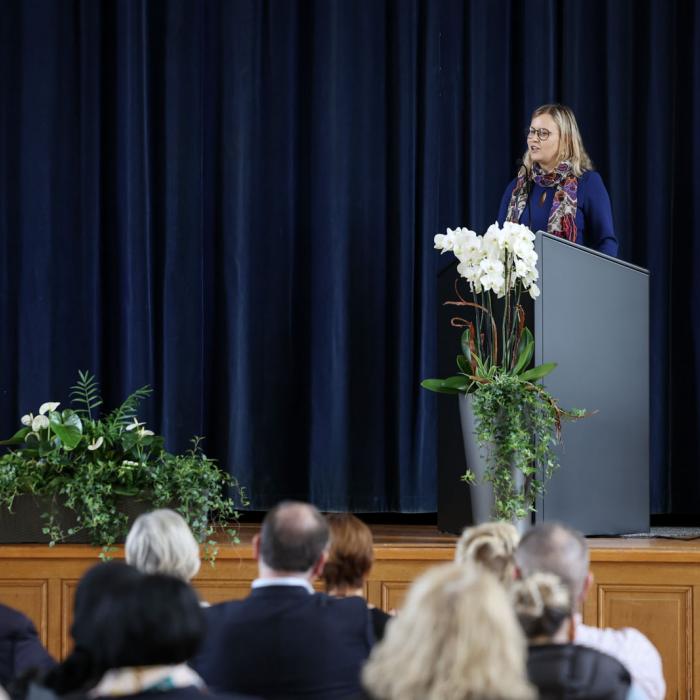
<point x="650" y="585"/>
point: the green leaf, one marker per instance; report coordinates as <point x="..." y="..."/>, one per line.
<point x="466" y="349"/>
<point x="69" y="430"/>
<point x="459" y="382"/>
<point x="463" y="364"/>
<point x="18" y="437"/>
<point x="538" y="372"/>
<point x="437" y="385"/>
<point x="525" y="350"/>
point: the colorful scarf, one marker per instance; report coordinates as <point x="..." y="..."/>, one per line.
<point x="562" y="216"/>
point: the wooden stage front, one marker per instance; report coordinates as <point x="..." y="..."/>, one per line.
<point x="648" y="584"/>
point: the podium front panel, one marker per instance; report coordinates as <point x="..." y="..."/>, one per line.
<point x="592" y="319"/>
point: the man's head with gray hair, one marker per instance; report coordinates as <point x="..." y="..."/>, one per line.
<point x="294" y="540"/>
<point x="554" y="548"/>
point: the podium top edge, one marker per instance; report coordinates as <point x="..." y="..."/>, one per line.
<point x="551" y="237"/>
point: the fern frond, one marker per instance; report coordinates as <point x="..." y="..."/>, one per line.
<point x="127" y="411"/>
<point x="86" y="393"/>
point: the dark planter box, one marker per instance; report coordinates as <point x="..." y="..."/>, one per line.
<point x="24" y="524"/>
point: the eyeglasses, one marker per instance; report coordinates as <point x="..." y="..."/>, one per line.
<point x="542" y="134"/>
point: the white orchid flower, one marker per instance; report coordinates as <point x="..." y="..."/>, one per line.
<point x="145" y="433"/>
<point x="39" y="423"/>
<point x="534" y="291"/>
<point x="27" y="418"/>
<point x="135" y="424"/>
<point x="96" y="444"/>
<point x="48" y="407"/>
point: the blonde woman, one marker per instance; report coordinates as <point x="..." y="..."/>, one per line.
<point x="456" y="638"/>
<point x="556" y="189"/>
<point x="558" y="667"/>
<point x="161" y="542"/>
<point x="491" y="545"/>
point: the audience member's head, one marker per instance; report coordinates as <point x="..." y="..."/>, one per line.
<point x="456" y="637"/>
<point x="156" y="620"/>
<point x="553" y="548"/>
<point x="80" y="670"/>
<point x="492" y="545"/>
<point x="162" y="542"/>
<point x="294" y="540"/>
<point x="544" y="605"/>
<point x="351" y="554"/>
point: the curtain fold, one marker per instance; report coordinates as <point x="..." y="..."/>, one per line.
<point x="235" y="202"/>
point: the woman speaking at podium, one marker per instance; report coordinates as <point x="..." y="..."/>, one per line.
<point x="556" y="189"/>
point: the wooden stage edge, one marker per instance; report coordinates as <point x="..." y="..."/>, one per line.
<point x="650" y="584"/>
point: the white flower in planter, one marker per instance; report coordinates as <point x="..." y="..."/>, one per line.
<point x="27" y="418"/>
<point x="145" y="433"/>
<point x="134" y="425"/>
<point x="48" y="407"/>
<point x="39" y="423"/>
<point x="96" y="444"/>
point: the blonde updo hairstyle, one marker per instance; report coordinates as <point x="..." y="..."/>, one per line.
<point x="542" y="603"/>
<point x="492" y="545"/>
<point x="161" y="542"/>
<point x="456" y="637"/>
<point x="570" y="141"/>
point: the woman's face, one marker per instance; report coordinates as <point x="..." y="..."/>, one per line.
<point x="544" y="150"/>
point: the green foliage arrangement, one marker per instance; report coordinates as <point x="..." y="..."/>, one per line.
<point x="88" y="462"/>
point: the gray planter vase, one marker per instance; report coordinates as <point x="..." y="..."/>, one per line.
<point x="483" y="503"/>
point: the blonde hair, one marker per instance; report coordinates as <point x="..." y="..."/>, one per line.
<point x="491" y="545"/>
<point x="570" y="142"/>
<point x="542" y="602"/>
<point x="456" y="638"/>
<point x="162" y="542"/>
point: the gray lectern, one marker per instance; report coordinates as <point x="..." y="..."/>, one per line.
<point x="592" y="319"/>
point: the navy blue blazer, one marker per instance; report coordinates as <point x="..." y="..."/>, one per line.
<point x="284" y="642"/>
<point x="20" y="648"/>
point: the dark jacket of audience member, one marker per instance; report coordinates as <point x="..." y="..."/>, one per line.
<point x="573" y="672"/>
<point x="284" y="640"/>
<point x="20" y="647"/>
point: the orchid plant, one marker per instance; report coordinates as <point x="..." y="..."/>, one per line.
<point x="86" y="462"/>
<point x="517" y="421"/>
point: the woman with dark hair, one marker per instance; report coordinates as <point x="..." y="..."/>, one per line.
<point x="349" y="562"/>
<point x="78" y="672"/>
<point x="556" y="189"/>
<point x="143" y="634"/>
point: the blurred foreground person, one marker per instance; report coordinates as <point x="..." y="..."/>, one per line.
<point x="492" y="545"/>
<point x="559" y="668"/>
<point x="20" y="647"/>
<point x="284" y="640"/>
<point x="349" y="563"/>
<point x="556" y="549"/>
<point x="456" y="638"/>
<point x="161" y="542"/>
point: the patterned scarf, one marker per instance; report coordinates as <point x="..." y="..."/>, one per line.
<point x="562" y="217"/>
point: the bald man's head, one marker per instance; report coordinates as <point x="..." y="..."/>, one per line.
<point x="553" y="548"/>
<point x="294" y="535"/>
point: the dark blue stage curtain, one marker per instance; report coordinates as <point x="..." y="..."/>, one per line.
<point x="235" y="202"/>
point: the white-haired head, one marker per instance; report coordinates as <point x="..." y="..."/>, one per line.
<point x="162" y="542"/>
